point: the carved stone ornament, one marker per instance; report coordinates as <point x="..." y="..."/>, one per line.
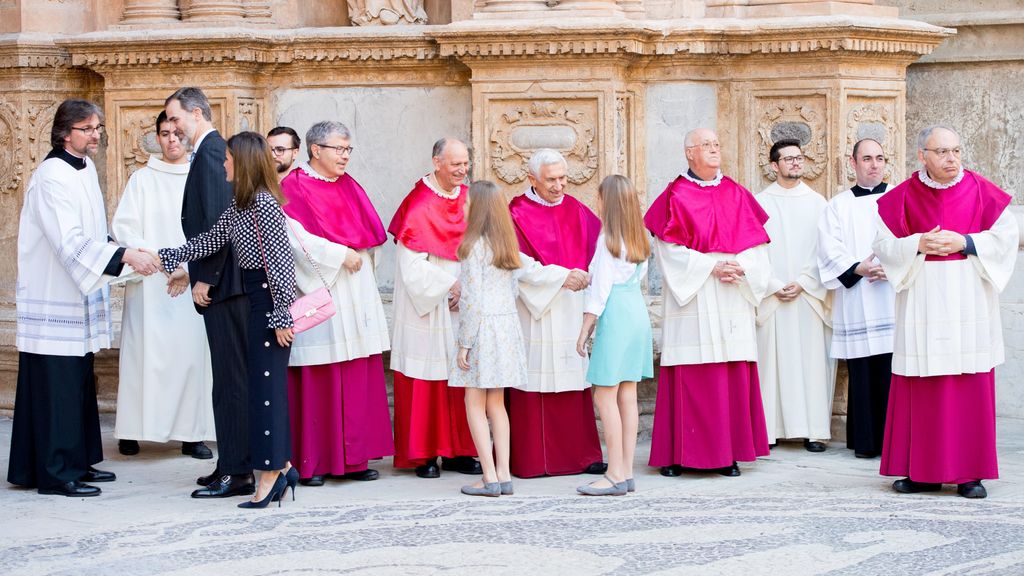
<point x="784" y="119"/>
<point x="874" y="121"/>
<point x="248" y="115"/>
<point x="386" y="12"/>
<point x="40" y="121"/>
<point x="138" y="138"/>
<point x="527" y="127"/>
<point x="11" y="165"/>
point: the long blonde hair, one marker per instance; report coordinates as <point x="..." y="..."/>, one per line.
<point x="489" y="219"/>
<point x="621" y="219"/>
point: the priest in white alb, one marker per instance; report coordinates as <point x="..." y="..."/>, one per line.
<point x="711" y="247"/>
<point x="161" y="396"/>
<point x="948" y="244"/>
<point x="797" y="376"/>
<point x="862" y="299"/>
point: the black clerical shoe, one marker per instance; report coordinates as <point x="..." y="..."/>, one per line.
<point x="731" y="471"/>
<point x="128" y="447"/>
<point x="596" y="468"/>
<point x="814" y="446"/>
<point x="462" y="465"/>
<point x="94" y="475"/>
<point x="859" y="454"/>
<point x="227" y="486"/>
<point x="428" y="470"/>
<point x="197" y="450"/>
<point x="971" y="489"/>
<point x="315" y="480"/>
<point x="908" y="486"/>
<point x="72" y="489"/>
<point x="363" y="475"/>
<point x="209" y="478"/>
<point x="671" y="471"/>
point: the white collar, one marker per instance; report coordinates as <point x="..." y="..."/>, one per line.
<point x="431" y="183"/>
<point x="195" y="146"/>
<point x="922" y="174"/>
<point x="532" y="195"/>
<point x="312" y="173"/>
<point x="704" y="183"/>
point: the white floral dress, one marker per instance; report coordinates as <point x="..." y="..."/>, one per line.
<point x="489" y="325"/>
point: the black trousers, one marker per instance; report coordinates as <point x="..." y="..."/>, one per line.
<point x="868" y="401"/>
<point x="56" y="432"/>
<point x="226" y="330"/>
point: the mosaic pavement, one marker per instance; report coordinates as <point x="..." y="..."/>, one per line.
<point x="793" y="513"/>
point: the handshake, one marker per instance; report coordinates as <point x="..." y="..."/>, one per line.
<point x="147" y="262"/>
<point x="577" y="280"/>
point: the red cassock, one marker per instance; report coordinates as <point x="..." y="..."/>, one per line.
<point x="554" y="433"/>
<point x="430" y="417"/>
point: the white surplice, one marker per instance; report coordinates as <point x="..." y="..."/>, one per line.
<point x="863" y="316"/>
<point x="63" y="301"/>
<point x="704" y="320"/>
<point x="948" y="316"/>
<point x="551" y="317"/>
<point x="358" y="328"/>
<point x="166" y="384"/>
<point x="796" y="374"/>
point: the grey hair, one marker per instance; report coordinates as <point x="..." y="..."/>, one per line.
<point x="544" y="157"/>
<point x="321" y="131"/>
<point x="439" y="147"/>
<point x="69" y="113"/>
<point x="926" y="133"/>
<point x="191" y="98"/>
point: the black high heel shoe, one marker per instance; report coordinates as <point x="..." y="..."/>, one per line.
<point x="291" y="478"/>
<point x="274" y="494"/>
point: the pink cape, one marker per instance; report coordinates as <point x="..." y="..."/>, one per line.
<point x="973" y="205"/>
<point x="724" y="218"/>
<point x="564" y="235"/>
<point x="425" y="222"/>
<point x="337" y="211"/>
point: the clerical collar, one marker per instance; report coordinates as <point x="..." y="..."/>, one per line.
<point x="703" y="183"/>
<point x="922" y="174"/>
<point x="859" y="191"/>
<point x="431" y="183"/>
<point x="532" y="195"/>
<point x="76" y="162"/>
<point x="312" y="173"/>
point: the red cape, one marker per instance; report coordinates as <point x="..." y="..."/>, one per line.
<point x="338" y="211"/>
<point x="564" y="235"/>
<point x="425" y="222"/>
<point x="724" y="218"/>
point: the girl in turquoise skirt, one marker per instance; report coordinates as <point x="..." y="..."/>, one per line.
<point x="622" y="353"/>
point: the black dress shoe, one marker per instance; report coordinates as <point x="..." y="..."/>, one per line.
<point x="72" y="489"/>
<point x="908" y="486"/>
<point x="462" y="465"/>
<point x="971" y="489"/>
<point x="671" y="471"/>
<point x="363" y="475"/>
<point x="315" y="480"/>
<point x="94" y="475"/>
<point x="197" y="450"/>
<point x="812" y="446"/>
<point x="209" y="479"/>
<point x="865" y="454"/>
<point x="596" y="468"/>
<point x="128" y="447"/>
<point x="731" y="471"/>
<point x="227" y="486"/>
<point x="428" y="470"/>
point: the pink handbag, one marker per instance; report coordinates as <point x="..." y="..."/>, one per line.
<point x="311" y="309"/>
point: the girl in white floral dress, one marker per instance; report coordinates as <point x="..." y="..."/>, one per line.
<point x="491" y="352"/>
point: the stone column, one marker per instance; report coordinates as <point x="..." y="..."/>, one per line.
<point x="257" y="9"/>
<point x="144" y="11"/>
<point x="206" y="10"/>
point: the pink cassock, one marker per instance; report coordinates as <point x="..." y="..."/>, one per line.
<point x="554" y="433"/>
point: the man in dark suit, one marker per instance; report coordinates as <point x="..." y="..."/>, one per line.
<point x="218" y="295"/>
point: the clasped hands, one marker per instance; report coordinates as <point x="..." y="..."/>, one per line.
<point x="939" y="242"/>
<point x="728" y="271"/>
<point x="147" y="262"/>
<point x="870" y="269"/>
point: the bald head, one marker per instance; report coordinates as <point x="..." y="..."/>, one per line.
<point x="451" y="162"/>
<point x="703" y="152"/>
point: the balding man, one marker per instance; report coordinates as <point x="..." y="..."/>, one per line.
<point x="711" y="246"/>
<point x="948" y="245"/>
<point x="430" y="417"/>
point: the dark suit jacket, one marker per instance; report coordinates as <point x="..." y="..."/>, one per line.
<point x="207" y="195"/>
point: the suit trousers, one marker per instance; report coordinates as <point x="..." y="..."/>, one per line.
<point x="227" y="326"/>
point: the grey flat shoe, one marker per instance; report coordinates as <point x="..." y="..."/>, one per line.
<point x="506" y="488"/>
<point x="614" y="490"/>
<point x="630" y="485"/>
<point x="492" y="489"/>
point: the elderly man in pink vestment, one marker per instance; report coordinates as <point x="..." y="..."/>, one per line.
<point x="711" y="247"/>
<point x="948" y="245"/>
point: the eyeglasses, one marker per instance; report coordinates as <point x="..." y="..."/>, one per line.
<point x="793" y="159"/>
<point x="945" y="152"/>
<point x="89" y="130"/>
<point x="278" y="150"/>
<point x="710" y="145"/>
<point x="339" y="149"/>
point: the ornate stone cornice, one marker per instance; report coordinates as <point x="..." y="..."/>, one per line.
<point x="31" y="51"/>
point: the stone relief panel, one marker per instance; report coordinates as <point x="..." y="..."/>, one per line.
<point x="136" y="141"/>
<point x="11" y="165"/>
<point x="871" y="118"/>
<point x="386" y="12"/>
<point x="799" y="117"/>
<point x="40" y="122"/>
<point x="624" y="146"/>
<point x="248" y="115"/>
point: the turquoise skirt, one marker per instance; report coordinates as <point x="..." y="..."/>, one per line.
<point x="623" y="345"/>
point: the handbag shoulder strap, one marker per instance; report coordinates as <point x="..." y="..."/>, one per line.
<point x="306" y="252"/>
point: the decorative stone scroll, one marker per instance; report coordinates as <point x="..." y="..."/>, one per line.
<point x="801" y="120"/>
<point x="386" y="12"/>
<point x="138" y="140"/>
<point x="527" y="126"/>
<point x="11" y="166"/>
<point x="872" y="120"/>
